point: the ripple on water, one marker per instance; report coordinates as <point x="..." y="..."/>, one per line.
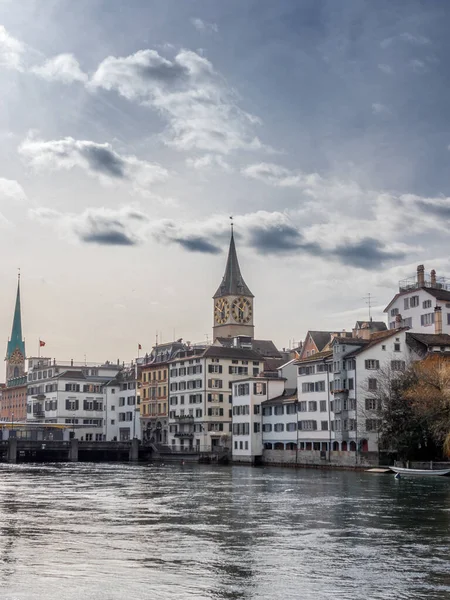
<point x="115" y="531"/>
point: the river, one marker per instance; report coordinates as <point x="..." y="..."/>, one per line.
<point x="115" y="531"/>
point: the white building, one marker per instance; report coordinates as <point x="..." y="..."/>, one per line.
<point x="200" y="387"/>
<point x="414" y="304"/>
<point x="122" y="422"/>
<point x="69" y="393"/>
<point x="249" y="396"/>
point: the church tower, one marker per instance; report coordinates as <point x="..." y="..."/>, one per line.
<point x="233" y="301"/>
<point x="15" y="352"/>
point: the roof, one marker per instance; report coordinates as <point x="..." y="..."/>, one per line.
<point x="265" y="347"/>
<point x="373" y="325"/>
<point x="354" y="341"/>
<point x="288" y="394"/>
<point x="430" y="339"/>
<point x="273" y="364"/>
<point x="375" y="339"/>
<point x="233" y="283"/>
<point x="317" y="356"/>
<point x="221" y="352"/>
<point x="70" y="375"/>
<point x="320" y="338"/>
<point x="437" y="293"/>
<point x="16" y="341"/>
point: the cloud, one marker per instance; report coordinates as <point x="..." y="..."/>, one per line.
<point x="278" y="176"/>
<point x="279" y="238"/>
<point x="64" y="68"/>
<point x="97" y="160"/>
<point x="201" y="110"/>
<point x="101" y="226"/>
<point x="367" y="253"/>
<point x="11" y="51"/>
<point x="386" y="69"/>
<point x="208" y="161"/>
<point x="198" y="244"/>
<point x="418" y="65"/>
<point x="417" y="40"/>
<point x="380" y="109"/>
<point x="11" y="190"/>
<point x="203" y="26"/>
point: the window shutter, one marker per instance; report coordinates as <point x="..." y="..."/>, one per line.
<point x="209" y="382"/>
<point x="220" y="412"/>
<point x="85" y="404"/>
<point x="77" y="404"/>
<point x="67" y="404"/>
<point x="209" y="412"/>
<point x="220" y="397"/>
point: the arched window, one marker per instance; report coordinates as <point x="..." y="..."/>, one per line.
<point x="352" y="446"/>
<point x="16" y="371"/>
<point x="344" y="446"/>
<point x="335" y="446"/>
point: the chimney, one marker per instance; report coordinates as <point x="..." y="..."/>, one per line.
<point x="437" y="320"/>
<point x="420" y="276"/>
<point x="433" y="278"/>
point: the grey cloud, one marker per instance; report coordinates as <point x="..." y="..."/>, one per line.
<point x="198" y="244"/>
<point x="279" y="239"/>
<point x="108" y="238"/>
<point x="104" y="160"/>
<point x="440" y="210"/>
<point x="367" y="253"/>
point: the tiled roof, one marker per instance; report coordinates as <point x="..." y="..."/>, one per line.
<point x="375" y="339"/>
<point x="430" y="339"/>
<point x="317" y="356"/>
<point x="373" y="325"/>
<point x="220" y="352"/>
<point x="289" y="394"/>
<point x="265" y="347"/>
<point x="320" y="338"/>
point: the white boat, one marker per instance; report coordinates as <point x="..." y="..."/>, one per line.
<point x="420" y="472"/>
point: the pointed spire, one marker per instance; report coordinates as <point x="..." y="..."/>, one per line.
<point x="16" y="341"/>
<point x="233" y="283"/>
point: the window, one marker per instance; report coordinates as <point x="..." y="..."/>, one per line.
<point x="267" y="427"/>
<point x="426" y="304"/>
<point x="72" y="387"/>
<point x="319" y="386"/>
<point x="371" y="404"/>
<point x="278" y="410"/>
<point x="372" y="364"/>
<point x="372" y="384"/>
<point x="371" y="424"/>
<point x="307" y="387"/>
<point x="407" y="322"/>
<point x="267" y="412"/>
<point x="278" y="427"/>
<point x="215" y="383"/>
<point x="396" y="347"/>
<point x="310" y="370"/>
<point x="256" y="427"/>
<point x="242" y="389"/>
<point x="323" y="406"/>
<point x="427" y="319"/>
<point x="72" y="404"/>
<point x="259" y="389"/>
<point x="312" y="406"/>
<point x="302" y="406"/>
<point x="350" y="384"/>
<point x="307" y="425"/>
<point x="291" y="409"/>
<point x="214" y="368"/>
<point x="414" y="301"/>
<point x="383" y="347"/>
<point x="394" y="312"/>
<point x="256" y="409"/>
<point x="406" y="303"/>
<point x="398" y="365"/>
<point x="324" y="425"/>
<point x="291" y="427"/>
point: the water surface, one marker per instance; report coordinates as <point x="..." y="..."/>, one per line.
<point x="108" y="532"/>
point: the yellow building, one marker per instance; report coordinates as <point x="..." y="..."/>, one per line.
<point x="155" y="391"/>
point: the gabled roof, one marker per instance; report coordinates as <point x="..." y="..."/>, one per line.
<point x="265" y="347"/>
<point x="430" y="339"/>
<point x="376" y="339"/>
<point x="289" y="394"/>
<point x="437" y="293"/>
<point x="320" y="338"/>
<point x="233" y="283"/>
<point x="317" y="356"/>
<point x="373" y="325"/>
<point x="16" y="341"/>
<point x="220" y="352"/>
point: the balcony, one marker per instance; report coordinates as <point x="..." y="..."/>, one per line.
<point x="39" y="414"/>
<point x="185" y="418"/>
<point x="342" y="391"/>
<point x="184" y="434"/>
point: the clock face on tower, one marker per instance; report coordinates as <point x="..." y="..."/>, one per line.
<point x="241" y="309"/>
<point x="221" y="311"/>
<point x="16" y="358"/>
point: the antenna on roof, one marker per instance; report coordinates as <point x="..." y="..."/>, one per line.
<point x="369" y="301"/>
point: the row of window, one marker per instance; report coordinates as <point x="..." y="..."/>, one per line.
<point x="193" y="399"/>
<point x="188" y="385"/>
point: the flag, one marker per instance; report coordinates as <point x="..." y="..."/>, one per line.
<point x="139" y="347"/>
<point x="41" y="343"/>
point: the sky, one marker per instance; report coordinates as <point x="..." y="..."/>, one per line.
<point x="131" y="130"/>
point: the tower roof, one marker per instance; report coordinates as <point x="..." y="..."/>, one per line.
<point x="233" y="283"/>
<point x="16" y="341"/>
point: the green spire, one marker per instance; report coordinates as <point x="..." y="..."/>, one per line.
<point x="16" y="342"/>
<point x="233" y="283"/>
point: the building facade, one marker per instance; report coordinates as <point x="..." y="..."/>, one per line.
<point x="69" y="393"/>
<point x="121" y="404"/>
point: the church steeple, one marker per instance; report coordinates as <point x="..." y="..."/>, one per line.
<point x="233" y="301"/>
<point x="233" y="283"/>
<point x="15" y="351"/>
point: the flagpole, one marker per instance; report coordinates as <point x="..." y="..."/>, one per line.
<point x="39" y="348"/>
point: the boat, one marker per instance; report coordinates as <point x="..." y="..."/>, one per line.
<point x="420" y="472"/>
